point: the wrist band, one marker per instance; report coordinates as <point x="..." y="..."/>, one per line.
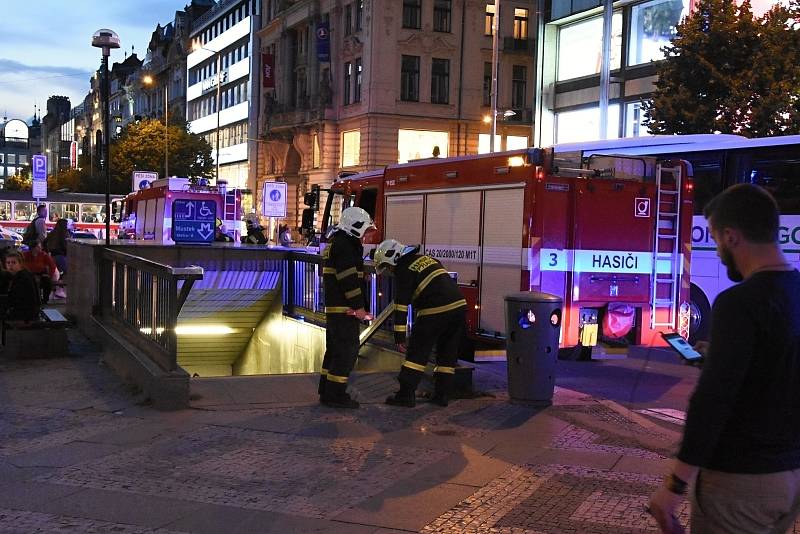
<point x="676" y="485"/>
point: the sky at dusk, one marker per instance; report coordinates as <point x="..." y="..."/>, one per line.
<point x="45" y="45"/>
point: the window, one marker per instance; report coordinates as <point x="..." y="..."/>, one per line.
<point x="348" y="19"/>
<point x="359" y="15"/>
<point x="584" y="124"/>
<point x="23" y="158"/>
<point x="316" y="154"/>
<point x="487" y="84"/>
<point x="580" y="47"/>
<point x="488" y="28"/>
<point x="412" y="14"/>
<point x="91" y="213"/>
<point x="409" y="79"/>
<point x="634" y="120"/>
<point x="515" y="142"/>
<point x="417" y="144"/>
<point x="357" y="90"/>
<point x="484" y="143"/>
<point x="24" y="211"/>
<point x="348" y="75"/>
<point x="12" y="158"/>
<point x="520" y="23"/>
<point x="779" y="176"/>
<point x="441" y="15"/>
<point x="351" y="148"/>
<point x="440" y="81"/>
<point x="5" y="211"/>
<point x="61" y="210"/>
<point x="519" y="79"/>
<point x="367" y="200"/>
<point x="653" y="24"/>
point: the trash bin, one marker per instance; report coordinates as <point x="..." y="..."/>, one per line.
<point x="533" y="323"/>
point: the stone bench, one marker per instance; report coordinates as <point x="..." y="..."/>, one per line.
<point x="43" y="338"/>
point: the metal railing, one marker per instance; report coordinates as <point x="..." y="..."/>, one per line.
<point x="142" y="299"/>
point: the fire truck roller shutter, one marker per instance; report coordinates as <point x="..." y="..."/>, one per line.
<point x="160" y="234"/>
<point x="452" y="230"/>
<point x="404" y="218"/>
<point x="140" y="221"/>
<point x="150" y="217"/>
<point x="502" y="257"/>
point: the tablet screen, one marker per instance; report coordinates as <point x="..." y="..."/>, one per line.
<point x="682" y="347"/>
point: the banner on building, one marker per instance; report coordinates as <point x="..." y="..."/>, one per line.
<point x="73" y="155"/>
<point x="323" y="42"/>
<point x="268" y="71"/>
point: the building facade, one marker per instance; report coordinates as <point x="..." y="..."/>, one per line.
<point x="17" y="145"/>
<point x="221" y="103"/>
<point x="355" y="85"/>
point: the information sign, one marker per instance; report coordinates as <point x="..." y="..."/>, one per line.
<point x="274" y="199"/>
<point x="193" y="221"/>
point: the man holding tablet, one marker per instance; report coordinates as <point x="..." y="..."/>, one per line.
<point x="741" y="443"/>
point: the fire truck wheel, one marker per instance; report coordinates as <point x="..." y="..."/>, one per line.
<point x="700" y="316"/>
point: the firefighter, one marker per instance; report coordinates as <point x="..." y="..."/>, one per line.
<point x="345" y="305"/>
<point x="439" y="319"/>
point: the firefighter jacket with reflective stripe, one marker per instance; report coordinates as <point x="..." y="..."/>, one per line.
<point x="343" y="274"/>
<point x="422" y="282"/>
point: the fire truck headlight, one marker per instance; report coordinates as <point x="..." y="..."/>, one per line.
<point x="516" y="161"/>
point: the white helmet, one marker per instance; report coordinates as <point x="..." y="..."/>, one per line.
<point x="388" y="253"/>
<point x="355" y="221"/>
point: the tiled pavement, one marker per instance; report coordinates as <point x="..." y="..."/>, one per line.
<point x="78" y="454"/>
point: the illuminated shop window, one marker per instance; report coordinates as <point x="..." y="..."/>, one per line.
<point x="580" y="47"/>
<point x="418" y="144"/>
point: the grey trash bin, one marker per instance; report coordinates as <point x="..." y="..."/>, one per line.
<point x="533" y="323"/>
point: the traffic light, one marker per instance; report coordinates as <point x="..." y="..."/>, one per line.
<point x="311" y="199"/>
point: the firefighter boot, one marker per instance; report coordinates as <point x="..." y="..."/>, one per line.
<point x="443" y="388"/>
<point x="405" y="397"/>
<point x="321" y="388"/>
<point x="335" y="395"/>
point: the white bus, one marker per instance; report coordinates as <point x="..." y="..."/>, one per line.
<point x="718" y="161"/>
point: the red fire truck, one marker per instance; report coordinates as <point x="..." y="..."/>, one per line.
<point x="147" y="214"/>
<point x="611" y="235"/>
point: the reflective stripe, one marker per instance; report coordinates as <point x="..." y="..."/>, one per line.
<point x="323" y="372"/>
<point x="347" y="272"/>
<point x="338" y="379"/>
<point x="353" y="293"/>
<point x="328" y="270"/>
<point x="442" y="309"/>
<point x="427" y="280"/>
<point x="444" y="369"/>
<point x="401" y="307"/>
<point x="360" y="274"/>
<point x="400" y="328"/>
<point x="336" y="309"/>
<point x="414" y="366"/>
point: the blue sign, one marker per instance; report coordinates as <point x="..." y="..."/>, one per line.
<point x="39" y="164"/>
<point x="193" y="221"/>
<point x="323" y="42"/>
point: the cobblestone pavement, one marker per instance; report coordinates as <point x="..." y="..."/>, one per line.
<point x="21" y="522"/>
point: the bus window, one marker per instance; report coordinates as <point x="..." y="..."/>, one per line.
<point x="63" y="210"/>
<point x="24" y="211"/>
<point x="367" y="201"/>
<point x="780" y="177"/>
<point x="92" y="213"/>
<point x="5" y="211"/>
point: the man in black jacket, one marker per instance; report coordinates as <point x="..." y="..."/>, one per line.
<point x="345" y="305"/>
<point x="741" y="443"/>
<point x="440" y="319"/>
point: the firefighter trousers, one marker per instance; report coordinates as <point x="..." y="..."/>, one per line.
<point x="341" y="351"/>
<point x="443" y="331"/>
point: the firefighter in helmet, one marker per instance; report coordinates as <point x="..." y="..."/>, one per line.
<point x="345" y="305"/>
<point x="439" y="319"/>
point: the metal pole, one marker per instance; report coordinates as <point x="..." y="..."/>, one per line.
<point x="106" y="140"/>
<point x="219" y="101"/>
<point x="495" y="59"/>
<point x="166" y="127"/>
<point x="605" y="67"/>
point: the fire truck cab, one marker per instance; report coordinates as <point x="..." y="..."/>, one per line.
<point x="147" y="214"/>
<point x="611" y="235"/>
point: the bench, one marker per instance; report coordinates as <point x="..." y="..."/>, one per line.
<point x="43" y="338"/>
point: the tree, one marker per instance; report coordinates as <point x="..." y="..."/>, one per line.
<point x="731" y="72"/>
<point x="19" y="182"/>
<point x="140" y="146"/>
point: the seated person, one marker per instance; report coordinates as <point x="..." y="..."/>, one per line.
<point x="22" y="299"/>
<point x="41" y="264"/>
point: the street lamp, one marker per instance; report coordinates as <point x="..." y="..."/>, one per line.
<point x="106" y="40"/>
<point x="196" y="47"/>
<point x="148" y="80"/>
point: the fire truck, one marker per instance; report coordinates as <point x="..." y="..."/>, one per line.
<point x="611" y="235"/>
<point x="147" y="214"/>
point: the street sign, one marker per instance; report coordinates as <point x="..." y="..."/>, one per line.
<point x="39" y="164"/>
<point x="39" y="189"/>
<point x="193" y="221"/>
<point x="143" y="179"/>
<point x="273" y="199"/>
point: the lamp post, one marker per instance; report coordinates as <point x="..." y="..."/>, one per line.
<point x="148" y="80"/>
<point x="197" y="47"/>
<point x="106" y="40"/>
<point x="495" y="59"/>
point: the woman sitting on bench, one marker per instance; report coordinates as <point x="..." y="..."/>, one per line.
<point x="22" y="295"/>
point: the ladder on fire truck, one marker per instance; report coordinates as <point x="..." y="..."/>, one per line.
<point x="229" y="211"/>
<point x="667" y="263"/>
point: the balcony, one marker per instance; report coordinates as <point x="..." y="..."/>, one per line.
<point x="518" y="46"/>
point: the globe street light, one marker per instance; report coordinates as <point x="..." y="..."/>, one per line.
<point x="148" y="80"/>
<point x="196" y="47"/>
<point x="106" y="40"/>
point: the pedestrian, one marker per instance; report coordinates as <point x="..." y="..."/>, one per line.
<point x="284" y="235"/>
<point x="345" y="305"/>
<point x="22" y="299"/>
<point x="440" y="319"/>
<point x="741" y="442"/>
<point x="42" y="266"/>
<point x="36" y="231"/>
<point x="56" y="244"/>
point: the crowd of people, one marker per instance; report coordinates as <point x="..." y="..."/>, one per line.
<point x="29" y="276"/>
